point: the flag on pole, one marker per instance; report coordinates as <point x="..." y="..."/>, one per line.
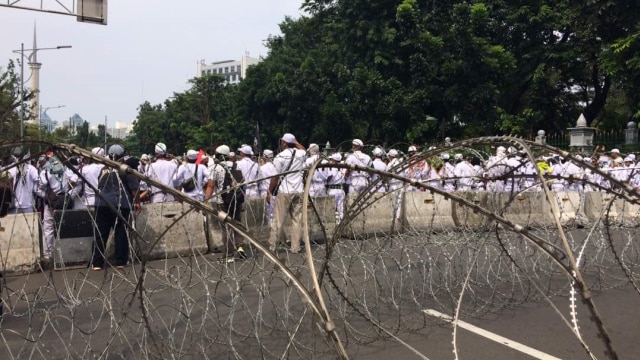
<point x="257" y="147"/>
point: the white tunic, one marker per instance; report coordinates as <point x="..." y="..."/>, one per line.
<point x="162" y="171"/>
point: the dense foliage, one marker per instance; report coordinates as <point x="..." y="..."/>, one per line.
<point x="418" y="71"/>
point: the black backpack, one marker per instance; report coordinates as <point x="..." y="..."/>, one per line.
<point x="232" y="177"/>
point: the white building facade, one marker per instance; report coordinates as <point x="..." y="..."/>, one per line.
<point x="233" y="71"/>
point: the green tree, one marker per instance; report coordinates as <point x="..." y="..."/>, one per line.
<point x="10" y="119"/>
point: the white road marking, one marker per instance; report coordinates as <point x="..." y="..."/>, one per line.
<point x="491" y="336"/>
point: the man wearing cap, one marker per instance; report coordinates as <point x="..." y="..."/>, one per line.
<point x="395" y="166"/>
<point x="191" y="172"/>
<point x="448" y="173"/>
<point x="25" y="183"/>
<point x="319" y="179"/>
<point x="378" y="164"/>
<point x="163" y="170"/>
<point x="418" y="168"/>
<point x="119" y="195"/>
<point x="496" y="168"/>
<point x="464" y="173"/>
<point x="250" y="170"/>
<point x="358" y="180"/>
<point x="290" y="190"/>
<point x="615" y="154"/>
<point x="514" y="168"/>
<point x="53" y="189"/>
<point x="335" y="182"/>
<point x="75" y="182"/>
<point x="233" y="242"/>
<point x="267" y="171"/>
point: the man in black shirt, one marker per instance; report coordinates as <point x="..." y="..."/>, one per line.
<point x="118" y="195"/>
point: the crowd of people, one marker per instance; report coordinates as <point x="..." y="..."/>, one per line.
<point x="227" y="178"/>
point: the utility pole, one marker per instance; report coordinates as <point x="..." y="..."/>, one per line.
<point x="22" y="92"/>
<point x="105" y="134"/>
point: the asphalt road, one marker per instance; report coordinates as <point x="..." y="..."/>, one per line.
<point x="194" y="307"/>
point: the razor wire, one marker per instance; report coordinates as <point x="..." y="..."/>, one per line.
<point x="350" y="289"/>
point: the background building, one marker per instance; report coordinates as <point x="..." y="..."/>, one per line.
<point x="233" y="71"/>
<point x="120" y="131"/>
<point x="46" y="122"/>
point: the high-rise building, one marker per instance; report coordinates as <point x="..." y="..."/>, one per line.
<point x="48" y="123"/>
<point x="233" y="71"/>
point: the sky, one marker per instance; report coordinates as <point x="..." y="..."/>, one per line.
<point x="146" y="52"/>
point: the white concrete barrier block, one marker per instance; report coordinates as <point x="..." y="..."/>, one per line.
<point x="169" y="230"/>
<point x="427" y="211"/>
<point x="322" y="215"/>
<point x="254" y="218"/>
<point x="376" y="219"/>
<point x="469" y="218"/>
<point x="611" y="209"/>
<point x="19" y="243"/>
<point x="570" y="206"/>
<point x="527" y="209"/>
<point x="602" y="206"/>
<point x="630" y="212"/>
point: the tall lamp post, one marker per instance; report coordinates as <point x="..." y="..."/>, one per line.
<point x="34" y="65"/>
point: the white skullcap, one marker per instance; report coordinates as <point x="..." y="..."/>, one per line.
<point x="288" y="138"/>
<point x="192" y="154"/>
<point x="615" y="151"/>
<point x="628" y="159"/>
<point x="267" y="153"/>
<point x="246" y="149"/>
<point x="412" y="149"/>
<point x="116" y="150"/>
<point x="378" y="152"/>
<point x="444" y="156"/>
<point x="144" y="157"/>
<point x="579" y="157"/>
<point x="458" y="157"/>
<point x="161" y="149"/>
<point x="223" y="150"/>
<point x="98" y="151"/>
<point x="501" y="149"/>
<point x="232" y="154"/>
<point x="336" y="157"/>
<point x="357" y="142"/>
<point x="633" y="156"/>
<point x="393" y="153"/>
<point x="313" y="146"/>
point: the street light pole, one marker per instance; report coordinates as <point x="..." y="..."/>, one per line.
<point x="22" y="92"/>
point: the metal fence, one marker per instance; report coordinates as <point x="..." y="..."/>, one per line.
<point x="609" y="138"/>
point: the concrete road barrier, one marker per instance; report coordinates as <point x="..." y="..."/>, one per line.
<point x="376" y="219"/>
<point x="527" y="209"/>
<point x="468" y="218"/>
<point x="611" y="209"/>
<point x="169" y="230"/>
<point x="427" y="211"/>
<point x="571" y="205"/>
<point x="630" y="213"/>
<point x="19" y="243"/>
<point x="254" y="218"/>
<point x="323" y="215"/>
